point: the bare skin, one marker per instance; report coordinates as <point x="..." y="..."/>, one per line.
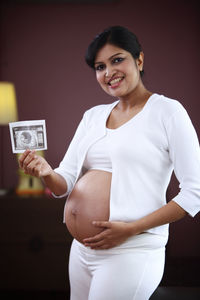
<point x="116" y="233"/>
<point x="133" y="96"/>
<point x="37" y="166"/>
<point x="89" y="200"/>
<point x="119" y="75"/>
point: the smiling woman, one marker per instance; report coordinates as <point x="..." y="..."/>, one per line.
<point x="117" y="72"/>
<point x="116" y="172"/>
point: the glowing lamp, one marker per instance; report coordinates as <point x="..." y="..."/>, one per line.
<point x="8" y="105"/>
<point x="8" y="113"/>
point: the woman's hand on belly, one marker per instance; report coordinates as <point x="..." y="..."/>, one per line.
<point x="114" y="234"/>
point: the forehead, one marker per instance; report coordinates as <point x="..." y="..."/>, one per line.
<point x="107" y="51"/>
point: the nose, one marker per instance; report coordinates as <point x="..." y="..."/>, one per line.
<point x="109" y="72"/>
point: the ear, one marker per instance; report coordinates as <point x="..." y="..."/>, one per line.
<point x="140" y="61"/>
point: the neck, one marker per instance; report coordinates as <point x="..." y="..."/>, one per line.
<point x="136" y="99"/>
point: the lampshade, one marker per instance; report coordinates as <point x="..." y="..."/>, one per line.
<point x="8" y="105"/>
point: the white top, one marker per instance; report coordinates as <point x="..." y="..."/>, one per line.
<point x="144" y="152"/>
<point x="97" y="156"/>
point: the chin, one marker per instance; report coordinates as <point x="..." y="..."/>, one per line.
<point x="114" y="93"/>
<point x="118" y="94"/>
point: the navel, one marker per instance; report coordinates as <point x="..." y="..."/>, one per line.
<point x="74" y="212"/>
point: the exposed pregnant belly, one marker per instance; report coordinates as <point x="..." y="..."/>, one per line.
<point x="89" y="201"/>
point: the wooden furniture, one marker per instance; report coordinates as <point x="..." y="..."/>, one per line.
<point x="34" y="244"/>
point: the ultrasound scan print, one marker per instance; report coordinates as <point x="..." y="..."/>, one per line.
<point x="28" y="135"/>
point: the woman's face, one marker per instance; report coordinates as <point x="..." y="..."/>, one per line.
<point x="117" y="72"/>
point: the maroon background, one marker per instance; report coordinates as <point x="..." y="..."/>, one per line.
<point x="42" y="53"/>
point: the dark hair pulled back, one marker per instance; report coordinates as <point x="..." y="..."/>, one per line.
<point x="115" y="35"/>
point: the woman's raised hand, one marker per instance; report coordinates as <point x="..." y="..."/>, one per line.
<point x="34" y="164"/>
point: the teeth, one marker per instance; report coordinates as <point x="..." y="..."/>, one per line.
<point x="115" y="81"/>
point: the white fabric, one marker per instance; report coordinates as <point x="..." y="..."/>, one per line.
<point x="118" y="273"/>
<point x="98" y="156"/>
<point x="144" y="151"/>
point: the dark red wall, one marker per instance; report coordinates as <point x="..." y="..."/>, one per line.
<point x="42" y="53"/>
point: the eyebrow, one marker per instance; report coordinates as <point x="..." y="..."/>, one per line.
<point x="99" y="62"/>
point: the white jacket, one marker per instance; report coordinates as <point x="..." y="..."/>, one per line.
<point x="144" y="152"/>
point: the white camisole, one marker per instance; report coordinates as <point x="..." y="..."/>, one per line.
<point x="98" y="156"/>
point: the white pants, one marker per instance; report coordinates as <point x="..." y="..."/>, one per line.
<point x="131" y="271"/>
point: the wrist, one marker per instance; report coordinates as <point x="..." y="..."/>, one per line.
<point x="48" y="174"/>
<point x="133" y="228"/>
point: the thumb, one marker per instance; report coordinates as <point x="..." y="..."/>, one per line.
<point x="103" y="224"/>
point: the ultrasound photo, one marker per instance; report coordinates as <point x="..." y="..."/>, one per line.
<point x="28" y="135"/>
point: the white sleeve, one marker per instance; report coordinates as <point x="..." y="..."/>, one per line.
<point x="68" y="167"/>
<point x="184" y="152"/>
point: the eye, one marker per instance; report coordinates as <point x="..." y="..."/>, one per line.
<point x="100" y="67"/>
<point x="117" y="60"/>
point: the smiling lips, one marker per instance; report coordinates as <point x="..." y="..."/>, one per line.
<point x="113" y="83"/>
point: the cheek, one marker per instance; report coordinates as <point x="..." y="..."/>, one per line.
<point x="100" y="79"/>
<point x="134" y="75"/>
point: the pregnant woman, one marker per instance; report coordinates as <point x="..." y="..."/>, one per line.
<point x="115" y="174"/>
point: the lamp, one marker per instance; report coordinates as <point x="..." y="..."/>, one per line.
<point x="8" y="113"/>
<point x="8" y="105"/>
<point x="29" y="185"/>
